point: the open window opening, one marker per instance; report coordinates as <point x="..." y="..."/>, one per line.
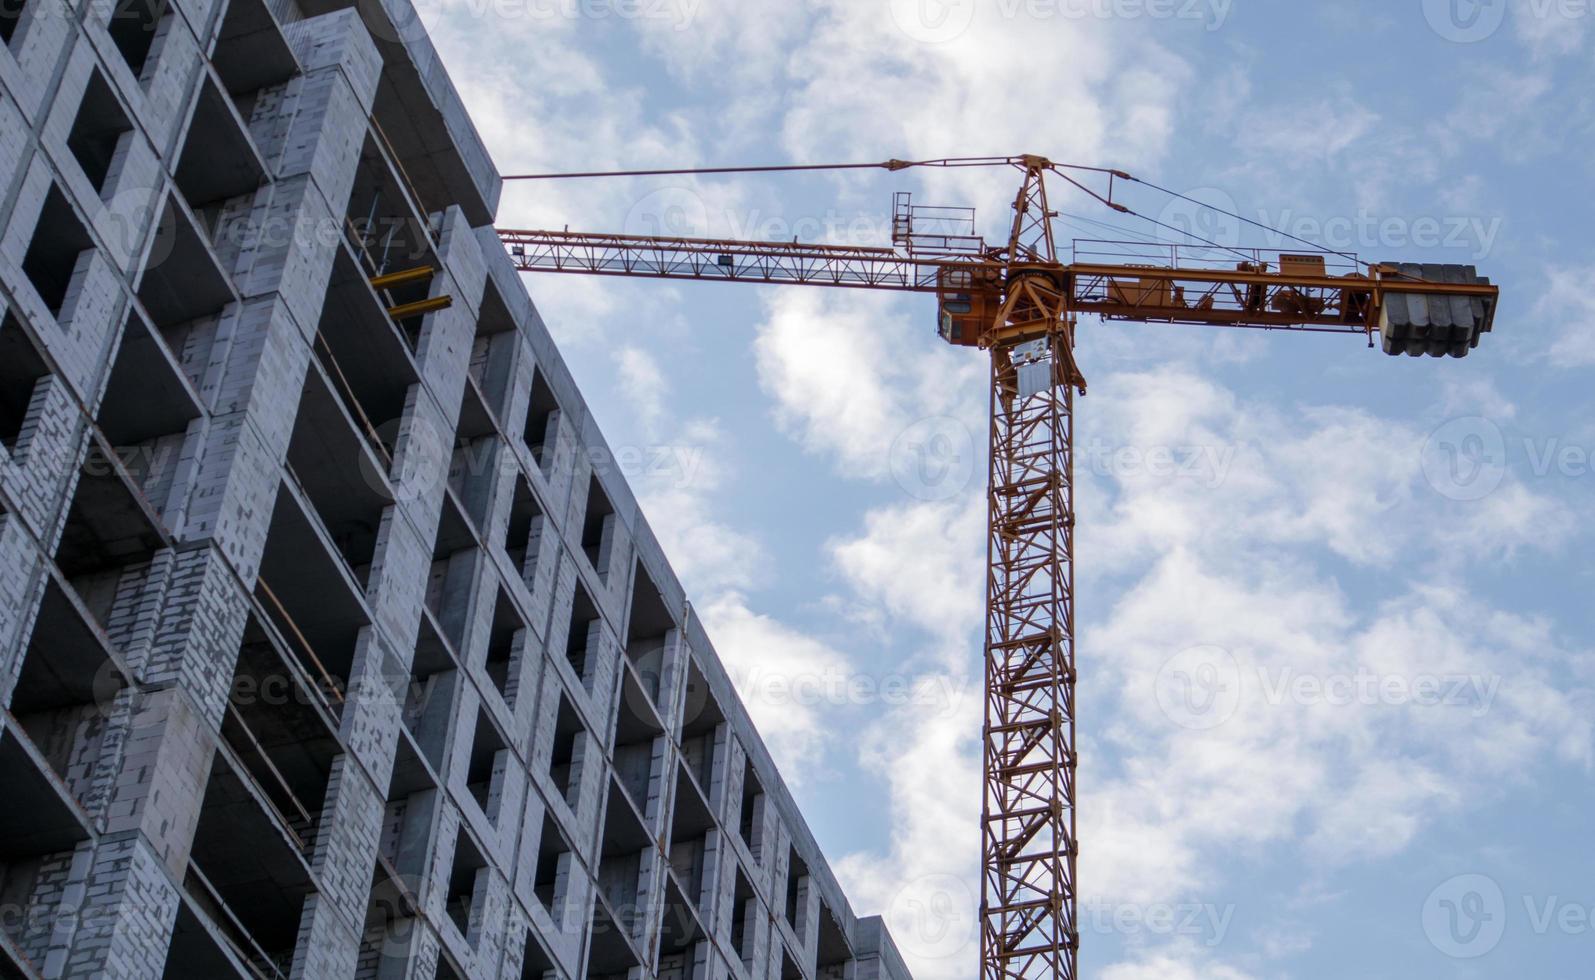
<point x="138" y="30"/>
<point x="454" y="561"/>
<point x="611" y="955"/>
<point x="796" y="908"/>
<point x="22" y="373"/>
<point x="542" y="423"/>
<point x="493" y="350"/>
<point x="392" y="924"/>
<point x="467" y="887"/>
<point x="598" y="528"/>
<point x="11" y="15"/>
<point x="365" y="358"/>
<point x="551" y="881"/>
<point x="56" y="252"/>
<point x="70" y="683"/>
<point x="331" y="464"/>
<point x="147" y="414"/>
<point x="690" y="826"/>
<point x="278" y="733"/>
<point x="569" y="750"/>
<point x="751" y="824"/>
<point x="486" y="765"/>
<point x="624" y="840"/>
<point x="429" y="696"/>
<point x="305" y="595"/>
<point x="523" y="538"/>
<point x="388" y="230"/>
<point x="834" y="952"/>
<point x="639" y="735"/>
<point x="412" y="806"/>
<point x="101" y="133"/>
<point x="680" y="929"/>
<point x="789" y="968"/>
<point x="109" y="537"/>
<point x="244" y="873"/>
<point x="701" y="718"/>
<point x="744" y="919"/>
<point x="40" y="830"/>
<point x="219" y="161"/>
<point x="581" y="642"/>
<point x="251" y="52"/>
<point x="537" y="963"/>
<point x="199" y="948"/>
<point x="182" y="281"/>
<point x="649" y="628"/>
<point x="506" y="646"/>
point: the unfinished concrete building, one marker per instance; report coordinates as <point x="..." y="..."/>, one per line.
<point x="330" y="645"/>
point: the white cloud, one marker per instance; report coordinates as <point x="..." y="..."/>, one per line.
<point x="1566" y="310"/>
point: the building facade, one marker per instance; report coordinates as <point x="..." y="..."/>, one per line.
<point x="332" y="642"/>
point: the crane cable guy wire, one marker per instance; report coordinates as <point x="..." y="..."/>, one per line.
<point x="895" y="165"/>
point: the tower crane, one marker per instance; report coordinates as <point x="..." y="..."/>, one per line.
<point x="1020" y="301"/>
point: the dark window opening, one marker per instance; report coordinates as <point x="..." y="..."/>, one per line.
<point x="648" y="631"/>
<point x="10" y="16"/>
<point x="100" y="130"/>
<point x="795" y="873"/>
<point x="58" y="243"/>
<point x="505" y="644"/>
<point x="752" y="812"/>
<point x="563" y="762"/>
<point x="582" y="640"/>
<point x="467" y="878"/>
<point x="744" y="925"/>
<point x="133" y="28"/>
<point x="542" y="422"/>
<point x="486" y="765"/>
<point x="553" y="868"/>
<point x="21" y="370"/>
<point x="523" y="536"/>
<point x="598" y="528"/>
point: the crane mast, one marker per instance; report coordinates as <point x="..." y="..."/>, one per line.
<point x="1020" y="302"/>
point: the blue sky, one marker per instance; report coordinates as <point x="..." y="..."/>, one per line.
<point x="1337" y="668"/>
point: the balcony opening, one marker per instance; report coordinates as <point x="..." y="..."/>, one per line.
<point x="413" y="803"/>
<point x="244" y="873"/>
<point x="22" y="371"/>
<point x="182" y="280"/>
<point x="251" y="51"/>
<point x="570" y="748"/>
<point x="10" y="17"/>
<point x="100" y="133"/>
<point x="136" y="29"/>
<point x="506" y="646"/>
<point x="40" y="829"/>
<point x="542" y="423"/>
<point x="468" y="878"/>
<point x="56" y="252"/>
<point x="392" y="924"/>
<point x="598" y="528"/>
<point x="537" y="963"/>
<point x="69" y="686"/>
<point x="346" y="487"/>
<point x="147" y="414"/>
<point x="610" y="955"/>
<point x="280" y="736"/>
<point x="429" y="698"/>
<point x="581" y="642"/>
<point x="110" y="534"/>
<point x="648" y="631"/>
<point x="638" y="732"/>
<point x="365" y="358"/>
<point x="624" y="840"/>
<point x="199" y="949"/>
<point x="388" y="229"/>
<point x="744" y="919"/>
<point x="751" y="823"/>
<point x="679" y="931"/>
<point x="551" y="882"/>
<point x="219" y="161"/>
<point x="486" y="766"/>
<point x="305" y="594"/>
<point x="690" y="825"/>
<point x="701" y="719"/>
<point x="834" y="952"/>
<point x="796" y="873"/>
